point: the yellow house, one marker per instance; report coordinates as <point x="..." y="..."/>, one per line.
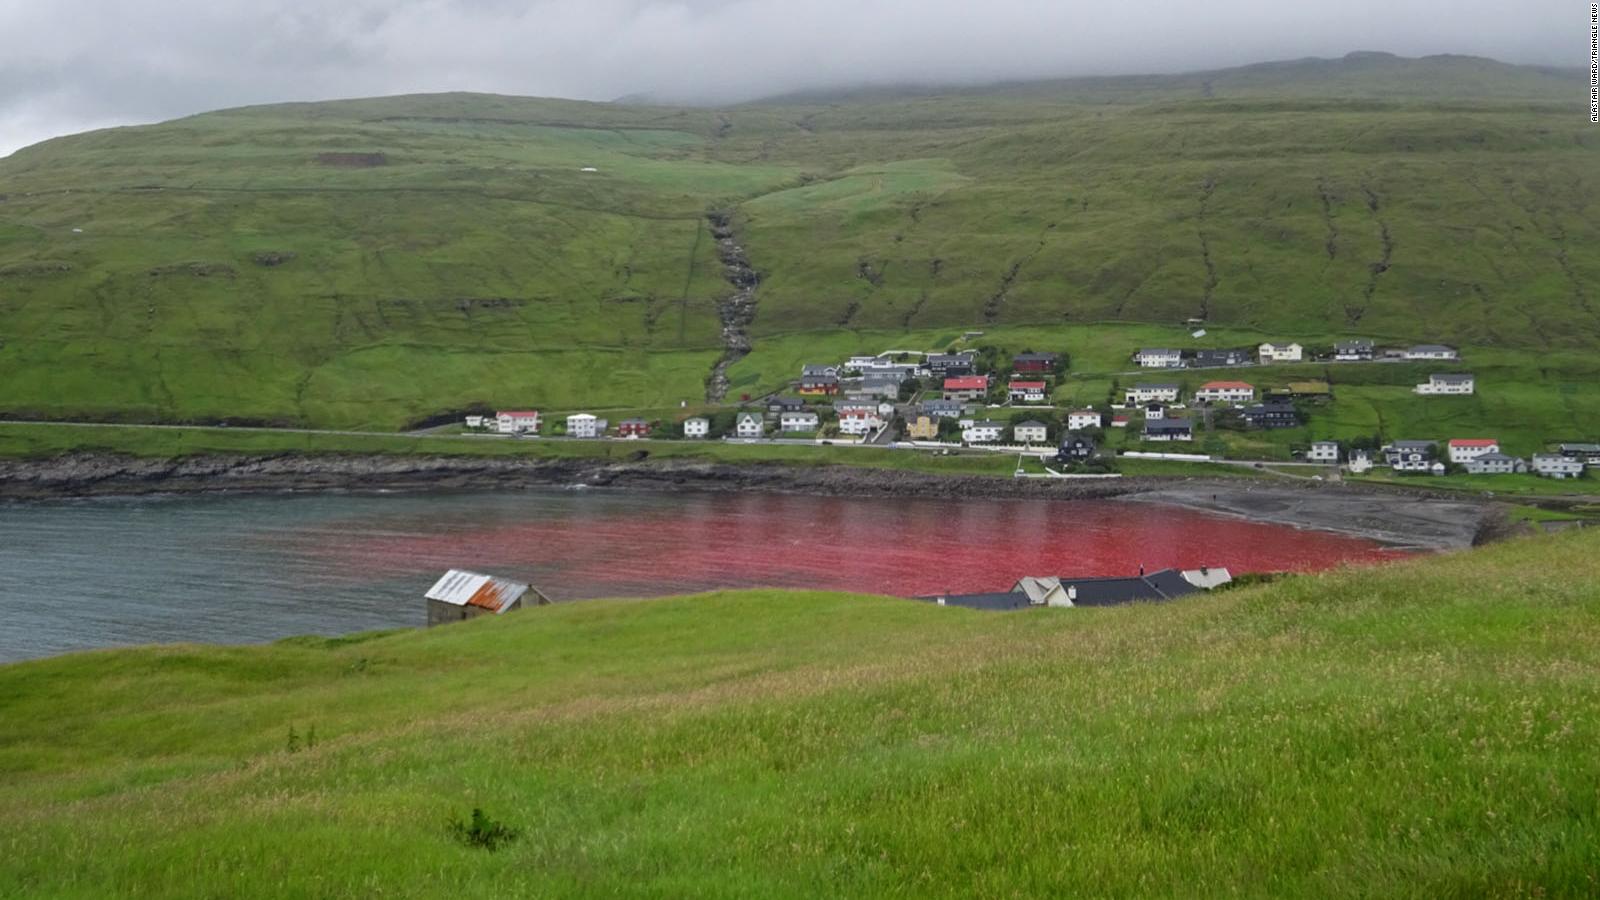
<point x="923" y="428"/>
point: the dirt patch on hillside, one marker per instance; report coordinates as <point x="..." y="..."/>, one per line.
<point x="36" y="267"/>
<point x="197" y="269"/>
<point x="353" y="160"/>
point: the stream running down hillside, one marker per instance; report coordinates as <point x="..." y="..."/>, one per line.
<point x="737" y="310"/>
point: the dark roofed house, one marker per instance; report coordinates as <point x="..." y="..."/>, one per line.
<point x="1074" y="448"/>
<point x="943" y="364"/>
<point x="1216" y="359"/>
<point x="780" y="405"/>
<point x="1353" y="350"/>
<point x="1034" y="362"/>
<point x="1410" y="456"/>
<point x="1166" y="584"/>
<point x="1168" y="430"/>
<point x="998" y="601"/>
<point x="1271" y="414"/>
<point x="1589" y="453"/>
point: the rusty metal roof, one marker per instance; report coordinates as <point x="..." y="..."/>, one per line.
<point x="461" y="588"/>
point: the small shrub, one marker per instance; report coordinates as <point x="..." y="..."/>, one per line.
<point x="482" y="832"/>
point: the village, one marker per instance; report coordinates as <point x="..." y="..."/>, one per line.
<point x="983" y="400"/>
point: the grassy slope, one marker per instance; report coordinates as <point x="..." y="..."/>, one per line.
<point x="480" y="265"/>
<point x="1422" y="729"/>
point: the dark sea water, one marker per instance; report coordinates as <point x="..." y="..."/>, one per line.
<point x="94" y="573"/>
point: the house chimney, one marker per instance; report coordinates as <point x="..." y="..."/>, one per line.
<point x="1141" y="570"/>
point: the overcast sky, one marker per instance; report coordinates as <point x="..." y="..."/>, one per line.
<point x="71" y="65"/>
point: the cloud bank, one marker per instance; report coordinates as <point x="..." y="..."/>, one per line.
<point x="79" y="64"/>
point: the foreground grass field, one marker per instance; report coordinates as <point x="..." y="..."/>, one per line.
<point x="1423" y="729"/>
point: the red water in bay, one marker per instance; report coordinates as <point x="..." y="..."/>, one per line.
<point x="591" y="544"/>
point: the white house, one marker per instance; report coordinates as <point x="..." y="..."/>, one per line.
<point x="1360" y="461"/>
<point x="1280" y="352"/>
<point x="1463" y="449"/>
<point x="1031" y="432"/>
<point x="869" y="365"/>
<point x="1554" y="465"/>
<point x="1495" y="464"/>
<point x="749" y="425"/>
<point x="1159" y="358"/>
<point x="1078" y="420"/>
<point x="1026" y="391"/>
<point x="584" y="425"/>
<point x="1154" y="412"/>
<point x="1144" y="393"/>
<point x="696" y="427"/>
<point x="1431" y="351"/>
<point x="1323" y="452"/>
<point x="859" y="421"/>
<point x="1447" y="384"/>
<point x="513" y="422"/>
<point x="1226" y="392"/>
<point x="982" y="432"/>
<point x="805" y="420"/>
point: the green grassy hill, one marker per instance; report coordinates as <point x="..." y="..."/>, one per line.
<point x="370" y="263"/>
<point x="1422" y="729"/>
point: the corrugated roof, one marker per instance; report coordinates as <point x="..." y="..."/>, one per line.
<point x="966" y="382"/>
<point x="459" y="587"/>
<point x="1474" y="442"/>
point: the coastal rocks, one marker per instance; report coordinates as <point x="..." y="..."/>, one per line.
<point x="1395" y="518"/>
<point x="1404" y="519"/>
<point x="88" y="474"/>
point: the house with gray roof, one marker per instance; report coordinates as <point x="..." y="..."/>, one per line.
<point x="1431" y="351"/>
<point x="1495" y="463"/>
<point x="1554" y="465"/>
<point x="1165" y="392"/>
<point x="1031" y="432"/>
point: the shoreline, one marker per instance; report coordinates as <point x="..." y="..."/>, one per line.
<point x="1396" y="518"/>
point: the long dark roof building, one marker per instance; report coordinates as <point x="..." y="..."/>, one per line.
<point x="1165" y="584"/>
